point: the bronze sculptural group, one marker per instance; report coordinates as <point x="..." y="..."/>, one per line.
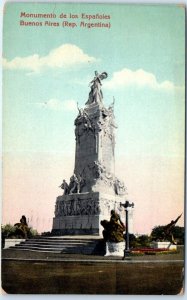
<point x="113" y="229"/>
<point x="166" y="233"/>
<point x="21" y="229"/>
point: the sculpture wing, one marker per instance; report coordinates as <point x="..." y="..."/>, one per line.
<point x="177" y="219"/>
<point x="103" y="75"/>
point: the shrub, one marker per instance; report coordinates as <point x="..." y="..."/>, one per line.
<point x="12" y="231"/>
<point x="7" y="229"/>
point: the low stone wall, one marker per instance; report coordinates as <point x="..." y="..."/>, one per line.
<point x="12" y="242"/>
<point x="163" y="245"/>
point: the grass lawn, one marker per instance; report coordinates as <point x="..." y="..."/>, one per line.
<point x="41" y="273"/>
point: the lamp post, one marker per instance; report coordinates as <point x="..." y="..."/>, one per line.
<point x="126" y="205"/>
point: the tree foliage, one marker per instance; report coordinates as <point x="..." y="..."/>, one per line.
<point x="177" y="232"/>
<point x="9" y="230"/>
<point x="140" y="241"/>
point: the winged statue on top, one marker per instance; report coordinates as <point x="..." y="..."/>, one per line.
<point x="96" y="95"/>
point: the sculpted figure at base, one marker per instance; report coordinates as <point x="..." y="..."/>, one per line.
<point x="119" y="187"/>
<point x="166" y="233"/>
<point x="21" y="229"/>
<point x="64" y="186"/>
<point x="113" y="229"/>
<point x="74" y="186"/>
<point x="167" y="230"/>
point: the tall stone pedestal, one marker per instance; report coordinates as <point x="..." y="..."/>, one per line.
<point x="80" y="214"/>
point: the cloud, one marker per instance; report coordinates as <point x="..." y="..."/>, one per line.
<point x="64" y="56"/>
<point x="138" y="78"/>
<point x="58" y="105"/>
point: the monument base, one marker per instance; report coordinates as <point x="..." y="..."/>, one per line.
<point x="115" y="249"/>
<point x="79" y="214"/>
<point x="163" y="245"/>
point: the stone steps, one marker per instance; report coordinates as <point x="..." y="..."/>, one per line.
<point x="58" y="241"/>
<point x="51" y="245"/>
<point x="62" y="245"/>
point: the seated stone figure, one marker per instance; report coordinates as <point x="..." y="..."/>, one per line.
<point x="113" y="229"/>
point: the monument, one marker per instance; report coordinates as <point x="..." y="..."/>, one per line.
<point x="93" y="189"/>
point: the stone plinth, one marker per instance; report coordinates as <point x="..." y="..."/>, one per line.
<point x="115" y="249"/>
<point x="82" y="213"/>
<point x="163" y="245"/>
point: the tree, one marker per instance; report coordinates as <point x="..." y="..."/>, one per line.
<point x="7" y="229"/>
<point x="143" y="240"/>
<point x="177" y="232"/>
<point x="140" y="241"/>
<point x="157" y="233"/>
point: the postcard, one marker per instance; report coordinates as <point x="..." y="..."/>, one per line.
<point x="93" y="148"/>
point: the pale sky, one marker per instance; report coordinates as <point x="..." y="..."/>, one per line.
<point x="47" y="70"/>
